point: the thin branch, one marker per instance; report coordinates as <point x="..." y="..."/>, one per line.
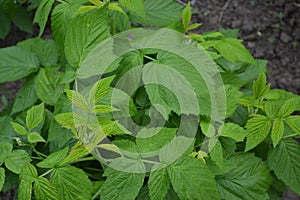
<point x="223" y="9"/>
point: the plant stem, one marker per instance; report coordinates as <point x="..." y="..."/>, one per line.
<point x="149" y="58"/>
<point x="47" y="172"/>
<point x="85" y="159"/>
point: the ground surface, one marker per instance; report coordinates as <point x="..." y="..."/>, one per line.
<point x="270" y="29"/>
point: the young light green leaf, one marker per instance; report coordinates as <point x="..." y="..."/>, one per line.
<point x="277" y="131"/>
<point x="16" y="160"/>
<point x="84" y="33"/>
<point x="258" y="128"/>
<point x="42" y="13"/>
<point x="43" y="189"/>
<point x="294" y="123"/>
<point x="54" y="159"/>
<point x="100" y="89"/>
<point x="71" y="183"/>
<point x="186" y="15"/>
<point x="135" y="6"/>
<point x="35" y="137"/>
<point x="233" y="131"/>
<point x="77" y="151"/>
<point x="290" y="106"/>
<point x="66" y="120"/>
<point x="2" y="178"/>
<point x="5" y="149"/>
<point x="103" y="109"/>
<point x="250" y="179"/>
<point x="284" y="161"/>
<point x="193" y="26"/>
<point x="158" y="184"/>
<point x="77" y="99"/>
<point x="35" y="116"/>
<point x="26" y="96"/>
<point x="260" y="89"/>
<point x="121" y="185"/>
<point x="191" y="179"/>
<point x="18" y="128"/>
<point x="16" y="63"/>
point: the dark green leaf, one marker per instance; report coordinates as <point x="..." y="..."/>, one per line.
<point x="2" y="178"/>
<point x="249" y="180"/>
<point x="16" y="63"/>
<point x="5" y="24"/>
<point x="122" y="186"/>
<point x="44" y="50"/>
<point x="42" y="13"/>
<point x="43" y="190"/>
<point x="294" y="123"/>
<point x="84" y="34"/>
<point x="24" y="190"/>
<point x="28" y="173"/>
<point x="22" y="19"/>
<point x="160" y="13"/>
<point x="191" y="179"/>
<point x="35" y="116"/>
<point x="5" y="149"/>
<point x="71" y="183"/>
<point x="16" y="160"/>
<point x="26" y="96"/>
<point x="158" y="184"/>
<point x="284" y="161"/>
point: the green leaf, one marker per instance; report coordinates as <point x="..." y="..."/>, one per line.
<point x="216" y="153"/>
<point x="233" y="131"/>
<point x="16" y="160"/>
<point x="100" y="89"/>
<point x="258" y="128"/>
<point x="152" y="139"/>
<point x="84" y="34"/>
<point x="18" y="128"/>
<point x="26" y="96"/>
<point x="249" y="180"/>
<point x="158" y="184"/>
<point x="77" y="151"/>
<point x="35" y="137"/>
<point x="122" y="186"/>
<point x="44" y="50"/>
<point x="24" y="190"/>
<point x="66" y="120"/>
<point x="61" y="16"/>
<point x="260" y="89"/>
<point x="43" y="189"/>
<point x="277" y="131"/>
<point x="232" y="96"/>
<point x="191" y="179"/>
<point x="77" y="99"/>
<point x="290" y="106"/>
<point x="233" y="50"/>
<point x="71" y="183"/>
<point x="54" y="159"/>
<point x="2" y="178"/>
<point x="42" y="13"/>
<point x="294" y="123"/>
<point x="22" y="19"/>
<point x="159" y="13"/>
<point x="284" y="161"/>
<point x="186" y="15"/>
<point x="49" y="85"/>
<point x="103" y="109"/>
<point x="5" y="24"/>
<point x="28" y="173"/>
<point x="5" y="149"/>
<point x="136" y="6"/>
<point x="35" y="116"/>
<point x="16" y="63"/>
<point x="58" y="137"/>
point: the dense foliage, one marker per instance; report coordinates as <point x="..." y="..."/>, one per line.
<point x="50" y="141"/>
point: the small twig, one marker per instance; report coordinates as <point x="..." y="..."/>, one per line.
<point x="296" y="4"/>
<point x="223" y="9"/>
